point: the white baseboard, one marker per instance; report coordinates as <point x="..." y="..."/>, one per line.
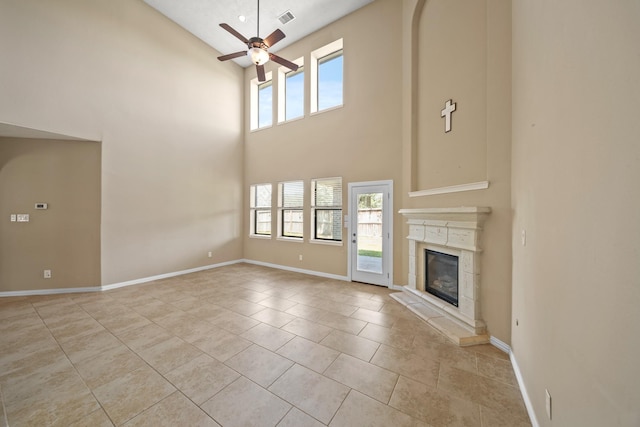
<point x="516" y="369"/>
<point x="523" y="391"/>
<point x="167" y="275"/>
<point x="297" y="270"/>
<point x="500" y="345"/>
<point x="113" y="285"/>
<point x="48" y="291"/>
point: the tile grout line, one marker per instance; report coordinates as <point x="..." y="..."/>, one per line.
<point x="5" y="420"/>
<point x="74" y="366"/>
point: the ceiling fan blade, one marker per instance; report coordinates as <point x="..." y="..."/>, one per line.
<point x="290" y="65"/>
<point x="232" y="55"/>
<point x="242" y="38"/>
<point x="260" y="71"/>
<point x="274" y="38"/>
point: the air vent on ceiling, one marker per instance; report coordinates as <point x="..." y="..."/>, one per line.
<point x="286" y="17"/>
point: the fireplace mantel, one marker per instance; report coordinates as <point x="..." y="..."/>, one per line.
<point x="456" y="231"/>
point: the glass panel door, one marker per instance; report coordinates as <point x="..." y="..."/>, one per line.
<point x="370" y="233"/>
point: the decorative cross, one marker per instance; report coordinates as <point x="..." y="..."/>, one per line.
<point x="449" y="108"/>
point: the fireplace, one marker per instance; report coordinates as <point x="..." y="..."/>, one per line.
<point x="444" y="270"/>
<point x="441" y="275"/>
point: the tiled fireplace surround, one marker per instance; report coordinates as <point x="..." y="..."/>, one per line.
<point x="455" y="231"/>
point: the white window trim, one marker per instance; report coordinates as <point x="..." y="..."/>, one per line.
<point x="326" y="242"/>
<point x="252" y="212"/>
<point x="316" y="55"/>
<point x="312" y="222"/>
<point x="280" y="214"/>
<point x="253" y="89"/>
<point x="282" y="95"/>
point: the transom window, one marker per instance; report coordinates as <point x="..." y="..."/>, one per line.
<point x="265" y="104"/>
<point x="330" y="81"/>
<point x="261" y="103"/>
<point x="326" y="76"/>
<point x="291" y="92"/>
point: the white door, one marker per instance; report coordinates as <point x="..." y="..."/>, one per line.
<point x="370" y="225"/>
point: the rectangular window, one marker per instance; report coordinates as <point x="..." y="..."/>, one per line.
<point x="290" y="204"/>
<point x="294" y="94"/>
<point x="265" y="104"/>
<point x="260" y="204"/>
<point x="326" y="76"/>
<point x="291" y="92"/>
<point x="261" y="101"/>
<point x="326" y="209"/>
<point x="330" y="81"/>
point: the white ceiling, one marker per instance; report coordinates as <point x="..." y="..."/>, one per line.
<point x="202" y="19"/>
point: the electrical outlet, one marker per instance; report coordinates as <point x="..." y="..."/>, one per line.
<point x="210" y="254"/>
<point x="13" y="217"/>
<point x="299" y="257"/>
<point x="47" y="274"/>
<point x="548" y="403"/>
<point x="23" y="217"/>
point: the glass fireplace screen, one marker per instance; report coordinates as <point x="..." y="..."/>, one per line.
<point x="441" y="276"/>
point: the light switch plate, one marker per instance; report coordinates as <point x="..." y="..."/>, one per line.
<point x="13" y="218"/>
<point x="23" y="217"/>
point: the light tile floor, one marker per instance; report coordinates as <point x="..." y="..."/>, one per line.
<point x="243" y="345"/>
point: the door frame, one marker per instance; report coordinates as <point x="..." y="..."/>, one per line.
<point x="387" y="215"/>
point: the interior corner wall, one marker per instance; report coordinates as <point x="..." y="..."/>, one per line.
<point x="576" y="175"/>
<point x="64" y="237"/>
<point x="168" y="115"/>
<point x="472" y="66"/>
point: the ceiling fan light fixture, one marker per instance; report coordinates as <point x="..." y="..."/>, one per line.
<point x="258" y="56"/>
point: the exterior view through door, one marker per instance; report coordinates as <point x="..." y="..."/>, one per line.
<point x="370" y="228"/>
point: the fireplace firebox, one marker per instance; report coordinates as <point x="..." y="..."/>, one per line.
<point x="441" y="275"/>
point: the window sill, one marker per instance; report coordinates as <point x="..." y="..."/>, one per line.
<point x="260" y="236"/>
<point x="337" y="107"/>
<point x="259" y="129"/>
<point x="291" y="239"/>
<point x="326" y="242"/>
<point x="295" y="119"/>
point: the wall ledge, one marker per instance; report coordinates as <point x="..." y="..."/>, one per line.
<point x="482" y="185"/>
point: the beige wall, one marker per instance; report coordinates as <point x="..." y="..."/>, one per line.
<point x="359" y="142"/>
<point x="168" y="113"/>
<point x="462" y="51"/>
<point x="452" y="64"/>
<point x="64" y="238"/>
<point x="576" y="175"/>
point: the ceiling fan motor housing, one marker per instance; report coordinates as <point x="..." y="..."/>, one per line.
<point x="257" y="51"/>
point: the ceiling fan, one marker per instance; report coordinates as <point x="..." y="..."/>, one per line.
<point x="258" y="49"/>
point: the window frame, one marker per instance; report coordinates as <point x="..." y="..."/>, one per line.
<point x="255" y="99"/>
<point x="315" y="208"/>
<point x="316" y="59"/>
<point x="282" y="209"/>
<point x="254" y="210"/>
